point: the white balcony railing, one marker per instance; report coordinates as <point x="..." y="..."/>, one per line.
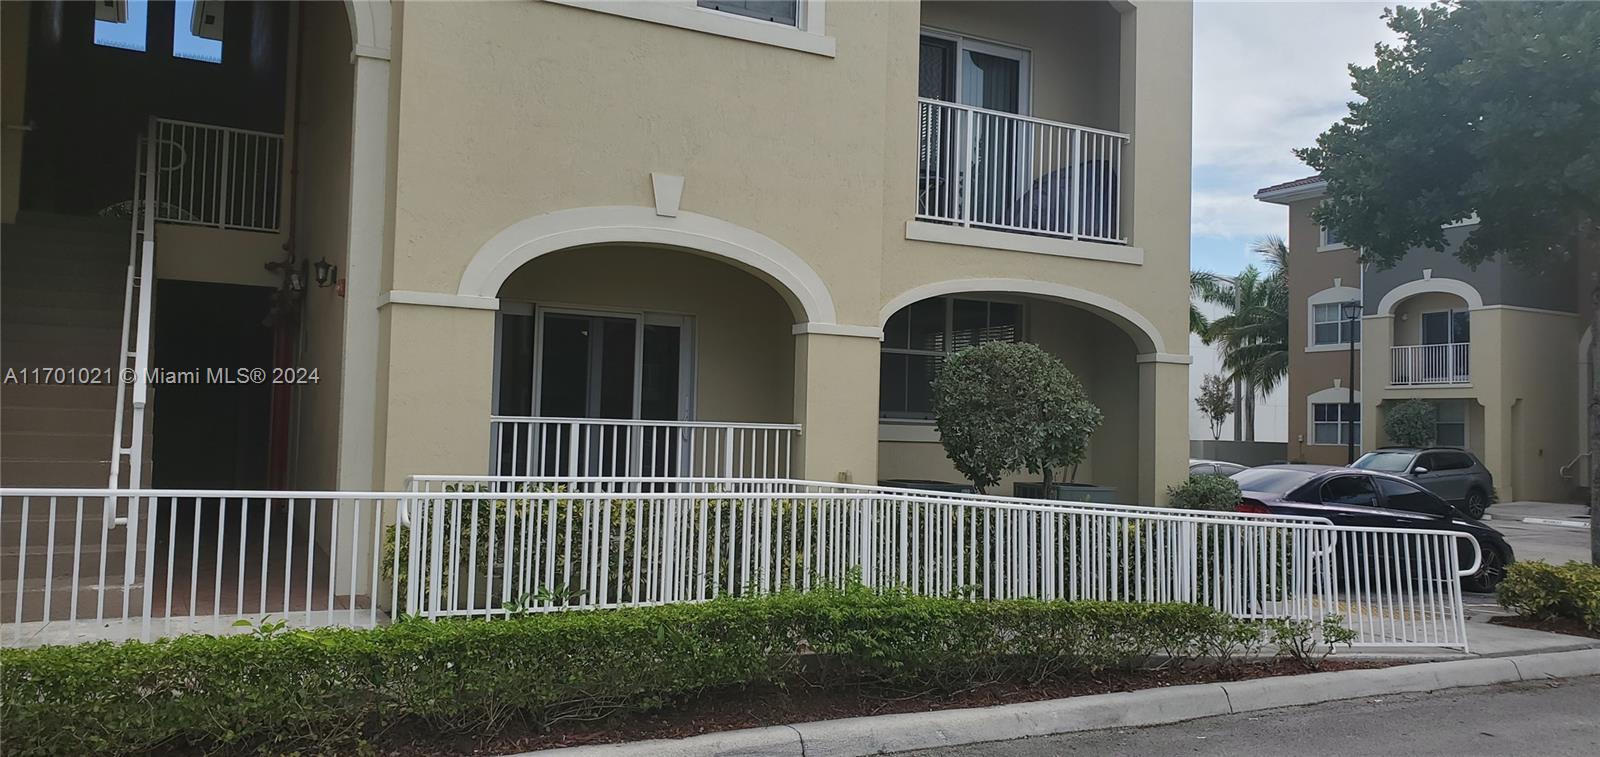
<point x="533" y="446"/>
<point x="1428" y="364"/>
<point x="218" y="176"/>
<point x="995" y="170"/>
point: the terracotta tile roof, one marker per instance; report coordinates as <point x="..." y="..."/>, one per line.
<point x="1290" y="184"/>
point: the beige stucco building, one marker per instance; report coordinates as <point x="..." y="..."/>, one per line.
<point x="1500" y="350"/>
<point x="709" y="236"/>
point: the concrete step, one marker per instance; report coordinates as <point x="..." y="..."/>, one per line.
<point x="54" y="473"/>
<point x="90" y="313"/>
<point x="65" y="286"/>
<point x="79" y="420"/>
<point x="91" y="602"/>
<point x="39" y="219"/>
<point x="22" y="352"/>
<point x="46" y="445"/>
<point x="41" y="560"/>
<point x="58" y="395"/>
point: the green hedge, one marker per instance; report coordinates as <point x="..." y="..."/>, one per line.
<point x="331" y="689"/>
<point x="1543" y="591"/>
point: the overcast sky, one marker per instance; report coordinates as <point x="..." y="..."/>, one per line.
<point x="1268" y="77"/>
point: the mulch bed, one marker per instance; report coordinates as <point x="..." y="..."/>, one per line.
<point x="746" y="708"/>
<point x="1559" y="625"/>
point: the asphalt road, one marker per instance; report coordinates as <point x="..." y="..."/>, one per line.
<point x="1535" y="541"/>
<point x="1552" y="719"/>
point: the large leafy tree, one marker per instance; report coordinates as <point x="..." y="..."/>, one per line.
<point x="1483" y="108"/>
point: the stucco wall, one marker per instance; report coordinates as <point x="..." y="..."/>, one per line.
<point x="514" y="110"/>
<point x="743" y="348"/>
<point x="1312" y="372"/>
<point x="322" y="133"/>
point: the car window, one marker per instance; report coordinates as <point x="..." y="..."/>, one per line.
<point x="1226" y="469"/>
<point x="1202" y="470"/>
<point x="1399" y="495"/>
<point x="1454" y="460"/>
<point x="1349" y="490"/>
<point x="1430" y="460"/>
<point x="1388" y="462"/>
<point x="1271" y="480"/>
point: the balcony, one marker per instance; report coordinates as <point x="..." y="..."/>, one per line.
<point x="1005" y="172"/>
<point x="1430" y="364"/>
<point x="579" y="447"/>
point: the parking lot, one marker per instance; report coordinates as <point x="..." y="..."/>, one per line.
<point x="1543" y="540"/>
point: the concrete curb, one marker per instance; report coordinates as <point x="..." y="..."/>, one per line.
<point x="858" y="737"/>
<point x="1557" y="522"/>
<point x="1561" y="522"/>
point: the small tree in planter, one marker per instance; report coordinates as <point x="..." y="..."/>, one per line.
<point x="1215" y="401"/>
<point x="1411" y="423"/>
<point x="1007" y="406"/>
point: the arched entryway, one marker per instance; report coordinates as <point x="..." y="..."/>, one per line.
<point x="625" y="359"/>
<point x="1111" y="348"/>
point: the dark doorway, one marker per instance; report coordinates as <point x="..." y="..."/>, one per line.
<point x="212" y="433"/>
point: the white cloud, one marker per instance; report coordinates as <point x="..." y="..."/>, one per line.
<point x="1268" y="77"/>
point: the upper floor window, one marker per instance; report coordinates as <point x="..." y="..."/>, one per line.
<point x="1330" y="238"/>
<point x="1330" y="327"/>
<point x="197" y="30"/>
<point x="786" y="12"/>
<point x="196" y="27"/>
<point x="917" y="340"/>
<point x="122" y="24"/>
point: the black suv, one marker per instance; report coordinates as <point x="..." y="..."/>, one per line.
<point x="1456" y="475"/>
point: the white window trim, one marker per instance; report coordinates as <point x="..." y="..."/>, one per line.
<point x="1330" y="296"/>
<point x="808" y="35"/>
<point x="1333" y="395"/>
<point x="1324" y="246"/>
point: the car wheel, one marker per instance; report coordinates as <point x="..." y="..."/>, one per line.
<point x="1477" y="503"/>
<point x="1490" y="573"/>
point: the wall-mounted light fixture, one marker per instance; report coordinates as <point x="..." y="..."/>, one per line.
<point x="326" y="273"/>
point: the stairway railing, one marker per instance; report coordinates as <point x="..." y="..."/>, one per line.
<point x="127" y="443"/>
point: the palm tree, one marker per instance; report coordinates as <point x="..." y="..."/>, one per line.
<point x="1254" y="334"/>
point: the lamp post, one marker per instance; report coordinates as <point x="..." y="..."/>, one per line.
<point x="1351" y="311"/>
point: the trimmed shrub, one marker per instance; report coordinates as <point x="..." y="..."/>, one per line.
<point x="1008" y="406"/>
<point x="1542" y="591"/>
<point x="331" y="689"/>
<point x="1411" y="423"/>
<point x="1205" y="493"/>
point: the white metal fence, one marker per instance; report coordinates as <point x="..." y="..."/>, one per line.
<point x="986" y="168"/>
<point x="619" y="448"/>
<point x="187" y="561"/>
<point x="1430" y="364"/>
<point x="218" y="176"/>
<point x="492" y="546"/>
<point x="487" y="544"/>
